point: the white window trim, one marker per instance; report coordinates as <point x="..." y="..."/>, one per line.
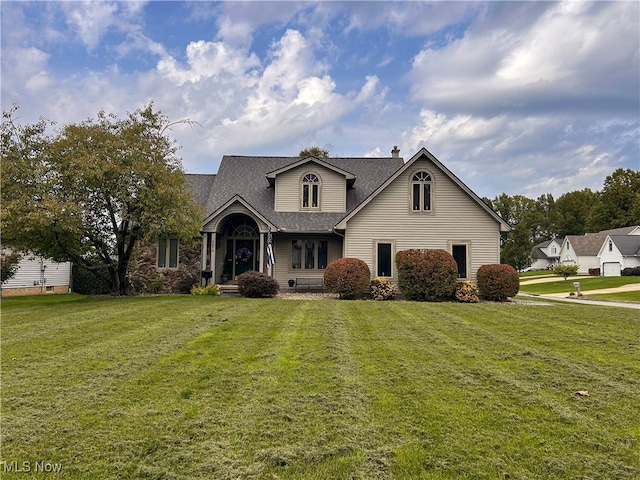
<point x="375" y="258"/>
<point x="431" y="192"/>
<point x="467" y="244"/>
<point x="310" y="184"/>
<point x="167" y="255"/>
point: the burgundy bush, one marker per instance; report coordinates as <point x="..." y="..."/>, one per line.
<point x="256" y="284"/>
<point x="348" y="277"/>
<point x="427" y="275"/>
<point x="497" y="282"/>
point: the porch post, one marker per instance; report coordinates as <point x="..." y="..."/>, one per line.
<point x="213" y="257"/>
<point x="203" y="255"/>
<point x="262" y="251"/>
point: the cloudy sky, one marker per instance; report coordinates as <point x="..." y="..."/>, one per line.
<point x="516" y="97"/>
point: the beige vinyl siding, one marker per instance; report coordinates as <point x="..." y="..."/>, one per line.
<point x="455" y="219"/>
<point x="282" y="270"/>
<point x="333" y="189"/>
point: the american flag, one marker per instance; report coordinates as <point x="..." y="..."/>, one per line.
<point x="271" y="259"/>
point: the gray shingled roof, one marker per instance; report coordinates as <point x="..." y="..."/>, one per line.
<point x="629" y="245"/>
<point x="246" y="176"/>
<point x="590" y="243"/>
<point x="200" y="186"/>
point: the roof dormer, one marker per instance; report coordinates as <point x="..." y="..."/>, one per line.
<point x="310" y="185"/>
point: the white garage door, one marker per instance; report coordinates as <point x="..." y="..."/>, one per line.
<point x="611" y="269"/>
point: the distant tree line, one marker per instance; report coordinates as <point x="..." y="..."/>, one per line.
<point x="574" y="213"/>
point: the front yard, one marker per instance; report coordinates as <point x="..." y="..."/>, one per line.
<point x="198" y="387"/>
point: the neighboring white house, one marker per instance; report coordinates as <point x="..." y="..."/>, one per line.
<point x="619" y="252"/>
<point x="37" y="275"/>
<point x="546" y="254"/>
<point x="583" y="250"/>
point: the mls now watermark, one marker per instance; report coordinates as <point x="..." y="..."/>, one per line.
<point x="26" y="467"/>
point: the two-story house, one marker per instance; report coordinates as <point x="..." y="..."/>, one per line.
<point x="546" y="255"/>
<point x="316" y="210"/>
<point x="584" y="250"/>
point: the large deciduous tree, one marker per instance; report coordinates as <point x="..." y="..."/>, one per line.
<point x="618" y="204"/>
<point x="92" y="191"/>
<point x="314" y="152"/>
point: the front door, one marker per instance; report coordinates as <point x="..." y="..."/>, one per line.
<point x="244" y="255"/>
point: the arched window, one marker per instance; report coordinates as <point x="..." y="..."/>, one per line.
<point x="243" y="230"/>
<point x="421" y="192"/>
<point x="310" y="191"/>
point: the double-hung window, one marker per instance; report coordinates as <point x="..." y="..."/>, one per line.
<point x="168" y="253"/>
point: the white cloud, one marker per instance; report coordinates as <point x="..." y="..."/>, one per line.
<point x="375" y="153"/>
<point x="207" y="59"/>
<point x="91" y="20"/>
<point x="563" y="55"/>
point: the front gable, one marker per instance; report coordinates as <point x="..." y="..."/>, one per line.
<point x="423" y="206"/>
<point x="445" y="190"/>
<point x="236" y="204"/>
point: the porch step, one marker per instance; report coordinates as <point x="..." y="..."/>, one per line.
<point x="229" y="290"/>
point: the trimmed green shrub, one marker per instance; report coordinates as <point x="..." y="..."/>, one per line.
<point x="467" y="292"/>
<point x="566" y="270"/>
<point x="256" y="284"/>
<point x="349" y="277"/>
<point x="211" y="289"/>
<point x="383" y="289"/>
<point x="426" y="275"/>
<point x="497" y="282"/>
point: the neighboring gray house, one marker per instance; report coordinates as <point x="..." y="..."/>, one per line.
<point x="321" y="209"/>
<point x="37" y="275"/>
<point x="546" y="254"/>
<point x="619" y="252"/>
<point x="583" y="250"/>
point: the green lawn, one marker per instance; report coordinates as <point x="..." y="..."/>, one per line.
<point x="182" y="387"/>
<point x="586" y="283"/>
<point x="633" y="296"/>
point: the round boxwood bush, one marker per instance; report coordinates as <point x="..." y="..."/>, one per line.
<point x="348" y="277"/>
<point x="256" y="284"/>
<point x="427" y="275"/>
<point x="497" y="282"/>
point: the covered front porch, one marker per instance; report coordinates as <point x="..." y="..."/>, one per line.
<point x="233" y="245"/>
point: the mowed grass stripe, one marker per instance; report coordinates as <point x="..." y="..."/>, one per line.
<point x="480" y="390"/>
<point x="223" y="388"/>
